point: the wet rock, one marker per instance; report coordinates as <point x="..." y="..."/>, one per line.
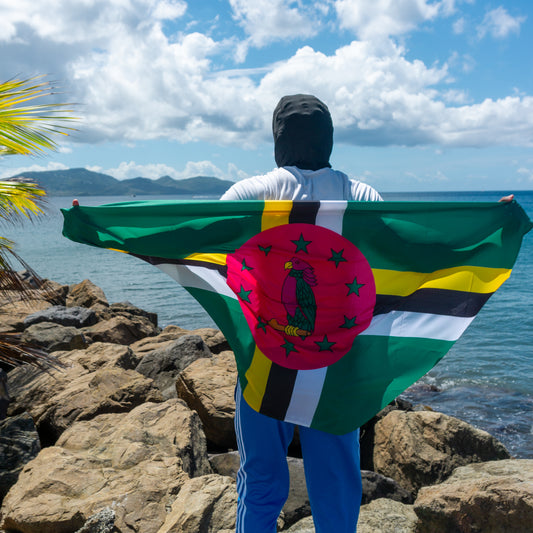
<point x="207" y="386"/>
<point x="164" y="364"/>
<point x="206" y="504"/>
<point x="77" y="317"/>
<point x="54" y="337"/>
<point x="19" y="444"/>
<point x="495" y="496"/>
<point x="136" y="463"/>
<point x="424" y="447"/>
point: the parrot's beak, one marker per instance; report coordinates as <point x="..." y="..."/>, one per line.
<point x="288" y="265"/>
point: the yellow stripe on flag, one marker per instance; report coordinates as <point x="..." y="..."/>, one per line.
<point x="275" y="213"/>
<point x="218" y="259"/>
<point x="257" y="374"/>
<point x="466" y="278"/>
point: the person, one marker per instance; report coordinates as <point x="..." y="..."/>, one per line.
<point x="303" y="141"/>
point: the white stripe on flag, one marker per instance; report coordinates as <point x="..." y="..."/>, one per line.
<point x="198" y="277"/>
<point x="330" y="215"/>
<point x="419" y="325"/>
<point x="305" y="396"/>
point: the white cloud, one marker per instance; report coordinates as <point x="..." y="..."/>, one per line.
<point x="378" y="18"/>
<point x="134" y="82"/>
<point x="265" y="21"/>
<point x="131" y="169"/>
<point x="526" y="173"/>
<point x="499" y="24"/>
<point x="459" y="26"/>
<point x="8" y="172"/>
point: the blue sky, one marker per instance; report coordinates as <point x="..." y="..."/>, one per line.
<point x="425" y="95"/>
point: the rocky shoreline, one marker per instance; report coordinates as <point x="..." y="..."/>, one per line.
<point x="135" y="434"/>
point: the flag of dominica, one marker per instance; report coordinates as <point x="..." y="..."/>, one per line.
<point x="332" y="308"/>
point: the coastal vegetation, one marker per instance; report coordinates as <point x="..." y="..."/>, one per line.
<point x="27" y="128"/>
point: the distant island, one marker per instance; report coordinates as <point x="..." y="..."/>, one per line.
<point x="83" y="182"/>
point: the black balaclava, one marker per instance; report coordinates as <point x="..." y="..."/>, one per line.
<point x="303" y="132"/>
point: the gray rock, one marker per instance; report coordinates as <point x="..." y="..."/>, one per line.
<point x="101" y="522"/>
<point x="376" y="486"/>
<point x="53" y="337"/>
<point x="389" y="516"/>
<point x="77" y="317"/>
<point x="164" y="364"/>
<point x="19" y="444"/>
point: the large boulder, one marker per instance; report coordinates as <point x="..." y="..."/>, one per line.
<point x="19" y="444"/>
<point x="206" y="504"/>
<point x="207" y="386"/>
<point x="54" y="337"/>
<point x="424" y="447"/>
<point x="164" y="364"/>
<point x="495" y="497"/>
<point x="86" y="294"/>
<point x="388" y="516"/>
<point x="94" y="381"/>
<point x="121" y="329"/>
<point x="77" y="317"/>
<point x="136" y="463"/>
<point x="213" y="338"/>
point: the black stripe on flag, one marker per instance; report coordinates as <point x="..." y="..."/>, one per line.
<point x="222" y="269"/>
<point x="433" y="301"/>
<point x="278" y="391"/>
<point x="304" y="212"/>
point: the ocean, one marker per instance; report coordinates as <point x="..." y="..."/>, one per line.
<point x="486" y="379"/>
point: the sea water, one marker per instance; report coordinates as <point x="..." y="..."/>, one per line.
<point x="486" y="379"/>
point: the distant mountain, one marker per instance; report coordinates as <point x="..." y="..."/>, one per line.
<point x="83" y="182"/>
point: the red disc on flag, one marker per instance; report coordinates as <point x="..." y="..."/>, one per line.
<point x="306" y="293"/>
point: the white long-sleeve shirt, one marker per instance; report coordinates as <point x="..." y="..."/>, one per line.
<point x="292" y="183"/>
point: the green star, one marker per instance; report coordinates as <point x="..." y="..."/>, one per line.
<point x="337" y="257"/>
<point x="354" y="287"/>
<point x="289" y="347"/>
<point x="301" y="244"/>
<point x="245" y="266"/>
<point x="325" y="345"/>
<point x="265" y="249"/>
<point x="349" y="323"/>
<point x="244" y="295"/>
<point x="261" y="324"/>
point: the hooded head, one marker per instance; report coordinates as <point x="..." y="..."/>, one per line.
<point x="303" y="132"/>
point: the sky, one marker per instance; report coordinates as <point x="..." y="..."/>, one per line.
<point x="424" y="95"/>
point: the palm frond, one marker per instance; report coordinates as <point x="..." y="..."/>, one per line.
<point x="15" y="352"/>
<point x="29" y="129"/>
<point x="20" y="199"/>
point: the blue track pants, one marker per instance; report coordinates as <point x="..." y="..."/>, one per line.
<point x="332" y="473"/>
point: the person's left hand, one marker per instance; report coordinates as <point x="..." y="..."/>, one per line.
<point x="508" y="198"/>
